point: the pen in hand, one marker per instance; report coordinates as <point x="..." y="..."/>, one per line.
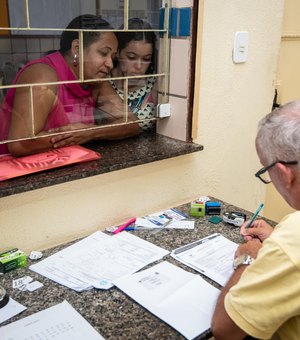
<point x="254" y="216"/>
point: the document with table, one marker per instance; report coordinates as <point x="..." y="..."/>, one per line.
<point x="183" y="300"/>
<point x="212" y="256"/>
<point x="99" y="259"/>
<point x="58" y="322"/>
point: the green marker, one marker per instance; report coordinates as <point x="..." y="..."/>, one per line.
<point x="254" y="216"/>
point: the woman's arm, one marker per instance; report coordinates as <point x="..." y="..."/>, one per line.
<point x="23" y="122"/>
<point x="44" y="98"/>
<point x="84" y="136"/>
<point x="110" y="110"/>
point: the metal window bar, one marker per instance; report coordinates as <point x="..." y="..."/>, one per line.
<point x="81" y="79"/>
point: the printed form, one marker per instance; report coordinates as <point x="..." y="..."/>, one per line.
<point x="59" y="322"/>
<point x="183" y="300"/>
<point x="99" y="259"/>
<point x="212" y="256"/>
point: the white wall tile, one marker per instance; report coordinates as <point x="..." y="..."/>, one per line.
<point x="32" y="56"/>
<point x="19" y="59"/>
<point x="56" y="43"/>
<point x="182" y="3"/>
<point x="5" y="57"/>
<point x="18" y="45"/>
<point x="175" y="126"/>
<point x="5" y="46"/>
<point x="179" y="66"/>
<point x="46" y="45"/>
<point x="33" y="45"/>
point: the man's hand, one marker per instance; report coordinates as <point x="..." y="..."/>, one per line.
<point x="259" y="230"/>
<point x="250" y="248"/>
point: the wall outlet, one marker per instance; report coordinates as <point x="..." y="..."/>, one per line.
<point x="164" y="110"/>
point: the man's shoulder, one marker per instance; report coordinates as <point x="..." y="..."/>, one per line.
<point x="287" y="235"/>
<point x="291" y="220"/>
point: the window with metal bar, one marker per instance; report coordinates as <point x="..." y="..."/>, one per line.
<point x="98" y="100"/>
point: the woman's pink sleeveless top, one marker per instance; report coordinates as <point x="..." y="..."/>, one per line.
<point x="74" y="103"/>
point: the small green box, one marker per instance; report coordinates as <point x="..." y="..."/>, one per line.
<point x="12" y="259"/>
<point x="197" y="209"/>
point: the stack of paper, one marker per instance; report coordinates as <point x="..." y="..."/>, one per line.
<point x="98" y="260"/>
<point x="171" y="219"/>
<point x="183" y="300"/>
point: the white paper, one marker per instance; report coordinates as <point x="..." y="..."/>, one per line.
<point x="141" y="222"/>
<point x="99" y="259"/>
<point x="212" y="256"/>
<point x="59" y="322"/>
<point x="11" y="309"/>
<point x="21" y="282"/>
<point x="183" y="300"/>
<point x="31" y="287"/>
<point x="169" y="219"/>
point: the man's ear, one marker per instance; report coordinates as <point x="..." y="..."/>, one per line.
<point x="286" y="174"/>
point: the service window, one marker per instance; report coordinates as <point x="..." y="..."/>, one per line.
<point x="103" y="75"/>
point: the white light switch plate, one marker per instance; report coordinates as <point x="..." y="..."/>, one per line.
<point x="240" y="47"/>
<point x="164" y="110"/>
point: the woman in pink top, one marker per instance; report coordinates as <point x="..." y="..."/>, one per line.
<point x="62" y="107"/>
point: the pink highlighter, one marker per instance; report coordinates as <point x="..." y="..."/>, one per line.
<point x="123" y="226"/>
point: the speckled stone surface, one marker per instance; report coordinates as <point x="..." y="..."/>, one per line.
<point x="111" y="312"/>
<point x="115" y="155"/>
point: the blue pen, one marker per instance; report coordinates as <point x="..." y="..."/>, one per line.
<point x="255" y="215"/>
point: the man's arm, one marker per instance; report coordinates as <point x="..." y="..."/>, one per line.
<point x="223" y="327"/>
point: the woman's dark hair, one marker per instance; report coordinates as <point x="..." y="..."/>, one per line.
<point x="148" y="36"/>
<point x="85" y="21"/>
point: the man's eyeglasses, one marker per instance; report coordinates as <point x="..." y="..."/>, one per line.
<point x="263" y="175"/>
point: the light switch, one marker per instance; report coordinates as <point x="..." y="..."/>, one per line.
<point x="240" y="47"/>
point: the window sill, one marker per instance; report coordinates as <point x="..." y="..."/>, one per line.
<point x="115" y="155"/>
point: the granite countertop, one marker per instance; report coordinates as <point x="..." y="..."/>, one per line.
<point x="111" y="312"/>
<point x="115" y="155"/>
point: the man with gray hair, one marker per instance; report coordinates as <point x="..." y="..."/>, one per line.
<point x="262" y="298"/>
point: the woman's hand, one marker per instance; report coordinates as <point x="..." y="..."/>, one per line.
<point x="72" y="137"/>
<point x="259" y="230"/>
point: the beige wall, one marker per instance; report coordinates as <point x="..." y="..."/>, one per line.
<point x="288" y="85"/>
<point x="231" y="100"/>
<point x="233" y="97"/>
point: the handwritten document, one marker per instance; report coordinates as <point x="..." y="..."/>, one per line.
<point x="212" y="256"/>
<point x="99" y="259"/>
<point x="59" y="322"/>
<point x="183" y="300"/>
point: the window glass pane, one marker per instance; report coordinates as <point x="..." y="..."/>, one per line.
<point x="64" y="91"/>
<point x="110" y="106"/>
<point x="148" y="10"/>
<point x="47" y="14"/>
<point x="112" y="11"/>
